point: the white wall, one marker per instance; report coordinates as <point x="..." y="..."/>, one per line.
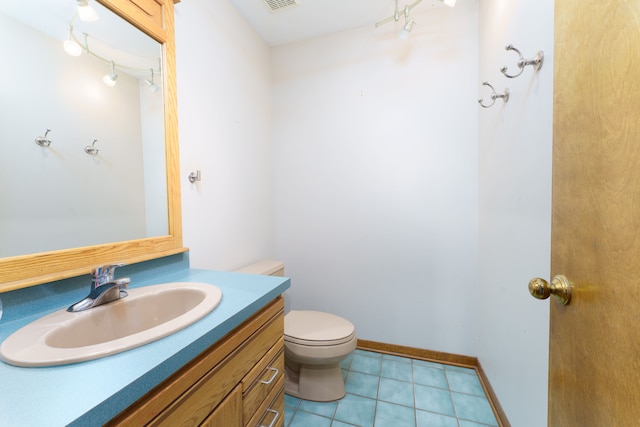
<point x="376" y="177"/>
<point x="224" y="84"/>
<point x="399" y="203"/>
<point x="515" y="145"/>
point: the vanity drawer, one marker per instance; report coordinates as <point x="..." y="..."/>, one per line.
<point x="194" y="405"/>
<point x="261" y="380"/>
<point x="271" y="412"/>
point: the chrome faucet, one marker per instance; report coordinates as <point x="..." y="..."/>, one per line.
<point x="104" y="288"/>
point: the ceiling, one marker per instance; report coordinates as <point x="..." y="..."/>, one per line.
<point x="313" y="18"/>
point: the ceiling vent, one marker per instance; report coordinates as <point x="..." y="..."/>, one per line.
<point x="278" y="5"/>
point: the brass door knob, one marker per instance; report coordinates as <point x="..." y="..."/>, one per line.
<point x="560" y="288"/>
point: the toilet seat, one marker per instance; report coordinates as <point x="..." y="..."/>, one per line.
<point x="316" y="328"/>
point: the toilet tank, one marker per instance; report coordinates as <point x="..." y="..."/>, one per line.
<point x="264" y="267"/>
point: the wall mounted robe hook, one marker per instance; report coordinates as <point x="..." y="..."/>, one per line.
<point x="195" y="177"/>
<point x="536" y="62"/>
<point x="43" y="141"/>
<point x="504" y="95"/>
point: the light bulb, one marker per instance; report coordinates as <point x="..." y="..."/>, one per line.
<point x="409" y="25"/>
<point x="86" y="12"/>
<point x="406" y="30"/>
<point x="72" y="48"/>
<point x="110" y="79"/>
<point x="70" y="45"/>
<point x="152" y="86"/>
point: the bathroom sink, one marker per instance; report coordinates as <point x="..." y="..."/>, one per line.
<point x="147" y="314"/>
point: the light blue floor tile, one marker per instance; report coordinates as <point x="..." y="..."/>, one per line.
<point x="396" y="358"/>
<point x="396" y="370"/>
<point x="474" y="408"/>
<point x="430" y="376"/>
<point x="434" y="400"/>
<point x="469" y="371"/>
<point x="337" y="423"/>
<point x="386" y="390"/>
<point x="427" y="363"/>
<point x="368" y="353"/>
<point x="356" y="410"/>
<point x="366" y="364"/>
<point x="465" y="423"/>
<point x="390" y="415"/>
<point x="346" y="362"/>
<point x="326" y="409"/>
<point x="306" y="419"/>
<point x="288" y="414"/>
<point x="430" y="419"/>
<point x="465" y="383"/>
<point x="362" y="384"/>
<point x="290" y="401"/>
<point x="394" y="391"/>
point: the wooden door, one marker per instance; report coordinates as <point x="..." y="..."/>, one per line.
<point x="594" y="361"/>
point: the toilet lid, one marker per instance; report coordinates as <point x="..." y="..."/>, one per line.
<point x="317" y="328"/>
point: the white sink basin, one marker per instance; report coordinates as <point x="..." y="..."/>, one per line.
<point x="146" y="315"/>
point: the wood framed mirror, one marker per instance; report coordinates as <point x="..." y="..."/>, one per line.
<point x="155" y="18"/>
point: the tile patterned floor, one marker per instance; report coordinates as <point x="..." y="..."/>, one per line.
<point x="392" y="391"/>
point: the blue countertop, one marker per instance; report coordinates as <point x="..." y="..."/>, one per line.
<point x="91" y="393"/>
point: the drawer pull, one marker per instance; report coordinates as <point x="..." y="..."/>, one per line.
<point x="273" y="377"/>
<point x="275" y="418"/>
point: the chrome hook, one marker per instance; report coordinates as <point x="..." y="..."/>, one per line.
<point x="91" y="149"/>
<point x="536" y="62"/>
<point x="42" y="141"/>
<point x="195" y="176"/>
<point x="504" y="95"/>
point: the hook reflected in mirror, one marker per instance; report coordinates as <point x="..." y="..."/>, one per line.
<point x="504" y="96"/>
<point x="43" y="141"/>
<point x="91" y="149"/>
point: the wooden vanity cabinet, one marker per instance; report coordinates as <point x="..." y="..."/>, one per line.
<point x="239" y="381"/>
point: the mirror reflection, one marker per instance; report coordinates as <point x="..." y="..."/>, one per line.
<point x="82" y="135"/>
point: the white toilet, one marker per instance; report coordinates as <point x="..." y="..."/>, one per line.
<point x="314" y="345"/>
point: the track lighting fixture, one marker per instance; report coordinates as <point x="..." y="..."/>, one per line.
<point x="406" y="30"/>
<point x="154" y="87"/>
<point x="110" y="79"/>
<point x="71" y="46"/>
<point x="408" y="21"/>
<point x="85" y="11"/>
<point x="74" y="47"/>
<point x="408" y="25"/>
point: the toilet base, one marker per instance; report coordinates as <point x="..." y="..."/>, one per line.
<point x="316" y="383"/>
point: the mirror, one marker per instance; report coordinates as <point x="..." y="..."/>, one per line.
<point x="102" y="185"/>
<point x="98" y="176"/>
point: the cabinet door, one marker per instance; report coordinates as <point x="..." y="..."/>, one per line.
<point x="228" y="413"/>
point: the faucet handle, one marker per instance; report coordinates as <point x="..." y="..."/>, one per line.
<point x="104" y="273"/>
